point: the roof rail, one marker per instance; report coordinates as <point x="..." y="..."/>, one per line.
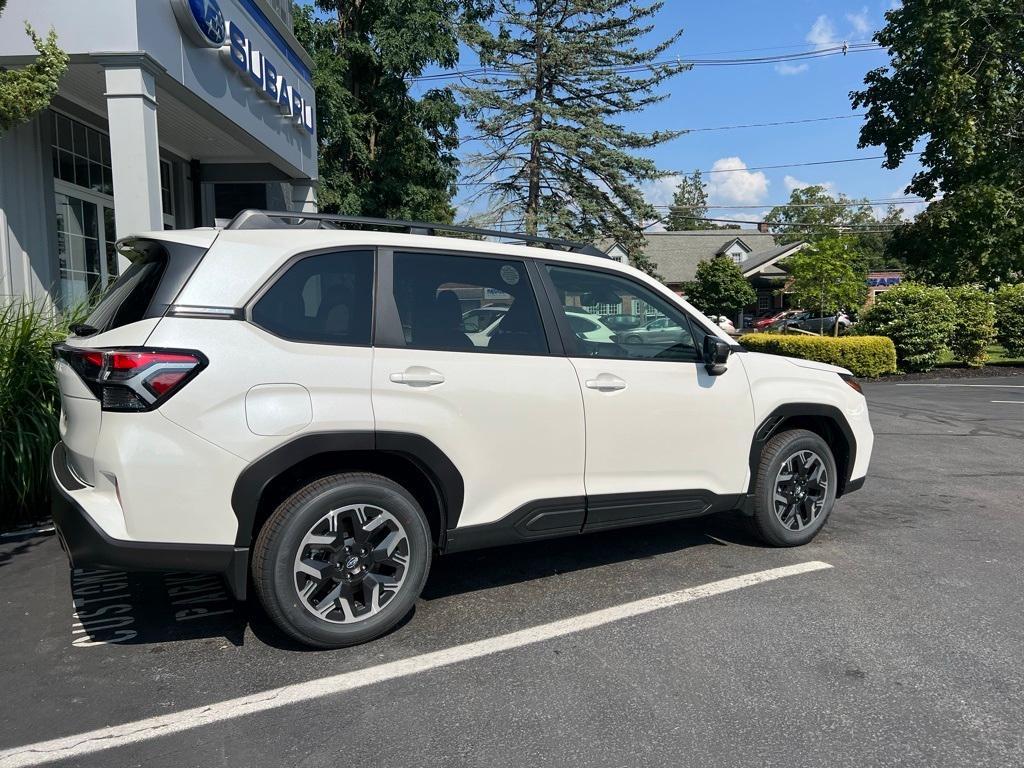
<point x="255" y="219"/>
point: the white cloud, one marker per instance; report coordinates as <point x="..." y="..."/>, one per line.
<point x="738" y="185"/>
<point x="823" y="32"/>
<point x="791" y="69"/>
<point x="660" y="191"/>
<point x="859" y="22"/>
<point x="793" y="183"/>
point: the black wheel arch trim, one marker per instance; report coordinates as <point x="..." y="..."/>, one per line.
<point x="770" y="426"/>
<point x="427" y="457"/>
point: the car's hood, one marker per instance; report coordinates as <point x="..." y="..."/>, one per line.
<point x="814" y="365"/>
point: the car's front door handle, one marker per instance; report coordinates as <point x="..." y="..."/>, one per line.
<point x="606" y="382"/>
<point x="418" y="376"/>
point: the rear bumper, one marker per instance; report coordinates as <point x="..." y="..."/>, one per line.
<point x="88" y="545"/>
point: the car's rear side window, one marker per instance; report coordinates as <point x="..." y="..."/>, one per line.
<point x="467" y="304"/>
<point x="325" y="298"/>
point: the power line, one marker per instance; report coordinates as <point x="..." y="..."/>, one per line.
<point x="835" y="204"/>
<point x="801" y="165"/>
<point x="772" y="125"/>
<point x="842" y="49"/>
<point x="746" y="168"/>
<point x="860" y="229"/>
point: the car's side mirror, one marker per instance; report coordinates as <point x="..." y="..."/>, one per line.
<point x="716" y="355"/>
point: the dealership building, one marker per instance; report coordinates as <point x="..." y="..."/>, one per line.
<point x="172" y="114"/>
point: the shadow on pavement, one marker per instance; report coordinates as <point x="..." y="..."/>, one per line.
<point x="12" y="548"/>
<point x="485" y="569"/>
<point x="119" y="608"/>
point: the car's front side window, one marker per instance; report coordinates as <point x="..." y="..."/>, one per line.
<point x="669" y="337"/>
<point x="467" y="304"/>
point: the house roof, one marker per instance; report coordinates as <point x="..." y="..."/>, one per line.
<point x="677" y="254"/>
<point x="764" y="262"/>
<point x="736" y="240"/>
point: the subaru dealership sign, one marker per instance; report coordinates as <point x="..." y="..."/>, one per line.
<point x="204" y="24"/>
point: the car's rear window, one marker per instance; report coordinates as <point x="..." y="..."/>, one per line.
<point x="128" y="298"/>
<point x="157" y="273"/>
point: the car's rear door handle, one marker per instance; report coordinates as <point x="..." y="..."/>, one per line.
<point x="606" y="382"/>
<point x="418" y="376"/>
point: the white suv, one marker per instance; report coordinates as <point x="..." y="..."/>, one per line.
<point x="303" y="402"/>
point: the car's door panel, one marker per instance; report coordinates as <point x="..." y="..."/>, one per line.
<point x="512" y="423"/>
<point x="667" y="426"/>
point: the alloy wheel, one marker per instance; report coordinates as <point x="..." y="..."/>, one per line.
<point x="801" y="488"/>
<point x="351" y="563"/>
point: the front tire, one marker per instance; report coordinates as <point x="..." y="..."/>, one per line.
<point x="796" y="488"/>
<point x="342" y="560"/>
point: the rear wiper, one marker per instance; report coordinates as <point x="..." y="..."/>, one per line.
<point x="83" y="329"/>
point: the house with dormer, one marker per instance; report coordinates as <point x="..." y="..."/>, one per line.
<point x="676" y="256"/>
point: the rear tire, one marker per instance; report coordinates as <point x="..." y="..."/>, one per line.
<point x="342" y="560"/>
<point x="796" y="488"/>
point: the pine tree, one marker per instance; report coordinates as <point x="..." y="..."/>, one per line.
<point x="558" y="74"/>
<point x="689" y="206"/>
<point x="25" y="91"/>
<point x="384" y="151"/>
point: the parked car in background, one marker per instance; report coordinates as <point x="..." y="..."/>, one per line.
<point x="481" y="318"/>
<point x="589" y="327"/>
<point x="661" y="331"/>
<point x="724" y="323"/>
<point x="620" y="323"/>
<point x="809" y="321"/>
<point x="774" y="317"/>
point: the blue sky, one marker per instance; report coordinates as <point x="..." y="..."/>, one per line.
<point x="720" y="96"/>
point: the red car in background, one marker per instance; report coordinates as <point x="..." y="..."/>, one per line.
<point x="763" y="322"/>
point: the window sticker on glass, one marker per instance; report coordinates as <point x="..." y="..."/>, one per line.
<point x="510" y="275"/>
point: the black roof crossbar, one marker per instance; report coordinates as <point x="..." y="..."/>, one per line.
<point x="254" y="219"/>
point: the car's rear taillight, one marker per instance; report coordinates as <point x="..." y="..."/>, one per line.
<point x="133" y="379"/>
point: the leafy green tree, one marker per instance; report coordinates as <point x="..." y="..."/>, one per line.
<point x="974" y="325"/>
<point x="955" y="87"/>
<point x="383" y="151"/>
<point x="828" y="276"/>
<point x="26" y="91"/>
<point x="559" y="76"/>
<point x="1009" y="301"/>
<point x="689" y="206"/>
<point x="813" y="214"/>
<point x="719" y="288"/>
<point x="917" y="318"/>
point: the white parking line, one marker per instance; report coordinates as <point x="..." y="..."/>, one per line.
<point x="973" y="386"/>
<point x="1010" y="402"/>
<point x="163" y="725"/>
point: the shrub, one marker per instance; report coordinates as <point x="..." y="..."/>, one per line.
<point x="974" y="326"/>
<point x="29" y="409"/>
<point x="1009" y="301"/>
<point x="863" y="355"/>
<point x="917" y="318"/>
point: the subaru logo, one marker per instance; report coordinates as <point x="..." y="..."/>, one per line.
<point x="351" y="563"/>
<point x="202" y="20"/>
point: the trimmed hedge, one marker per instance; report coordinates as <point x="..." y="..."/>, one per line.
<point x="869" y="356"/>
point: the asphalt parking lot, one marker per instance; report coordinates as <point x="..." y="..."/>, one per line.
<point x="908" y="650"/>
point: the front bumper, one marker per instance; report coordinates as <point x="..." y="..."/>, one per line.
<point x="88" y="545"/>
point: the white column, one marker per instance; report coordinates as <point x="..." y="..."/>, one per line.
<point x="304" y="196"/>
<point x="134" y="144"/>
